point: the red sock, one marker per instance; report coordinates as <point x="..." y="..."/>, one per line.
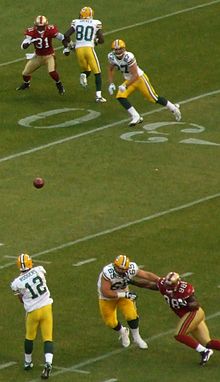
<point x="55" y="76"/>
<point x="187" y="340"/>
<point x="213" y="344"/>
<point x="26" y="78"/>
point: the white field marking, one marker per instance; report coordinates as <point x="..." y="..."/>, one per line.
<point x="134" y="25"/>
<point x="122" y="226"/>
<point x="110" y="380"/>
<point x="186" y="274"/>
<point x="8" y="364"/>
<point x="84" y="262"/>
<point x="75" y="371"/>
<point x="2" y="244"/>
<point x="72" y="137"/>
<point x="115" y="352"/>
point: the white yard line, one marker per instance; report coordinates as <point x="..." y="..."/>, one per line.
<point x="7" y="364"/>
<point x="134" y="25"/>
<point x="84" y="262"/>
<point x="98" y="129"/>
<point x="114" y="352"/>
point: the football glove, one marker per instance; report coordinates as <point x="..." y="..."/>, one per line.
<point x="122" y="88"/>
<point x="131" y="295"/>
<point x="66" y="51"/>
<point x="111" y="88"/>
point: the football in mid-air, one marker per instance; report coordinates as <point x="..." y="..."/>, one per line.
<point x="38" y="182"/>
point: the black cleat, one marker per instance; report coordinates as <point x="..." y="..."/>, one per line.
<point x="24" y="86"/>
<point x="28" y="366"/>
<point x="46" y="371"/>
<point x="60" y="87"/>
<point x="206" y="354"/>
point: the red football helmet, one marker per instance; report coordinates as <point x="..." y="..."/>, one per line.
<point x="40" y="23"/>
<point x="172" y="281"/>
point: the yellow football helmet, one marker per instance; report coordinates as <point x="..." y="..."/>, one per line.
<point x="86" y="13"/>
<point x="172" y="281"/>
<point x="122" y="262"/>
<point x="119" y="47"/>
<point x="40" y="23"/>
<point x="24" y="262"/>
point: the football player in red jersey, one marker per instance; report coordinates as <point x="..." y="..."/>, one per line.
<point x="191" y="329"/>
<point x="41" y="35"/>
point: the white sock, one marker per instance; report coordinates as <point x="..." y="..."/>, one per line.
<point x="28" y="358"/>
<point x="170" y="106"/>
<point x="49" y="358"/>
<point x="135" y="333"/>
<point x="99" y="94"/>
<point x="133" y="112"/>
<point x="200" y="348"/>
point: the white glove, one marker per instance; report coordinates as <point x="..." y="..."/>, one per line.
<point x="66" y="51"/>
<point x="122" y="88"/>
<point x="131" y="295"/>
<point x="111" y="89"/>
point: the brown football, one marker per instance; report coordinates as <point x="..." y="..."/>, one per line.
<point x="38" y="182"/>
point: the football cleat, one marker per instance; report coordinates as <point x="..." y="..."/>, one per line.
<point x="141" y="343"/>
<point x="124" y="337"/>
<point x="23" y="86"/>
<point x="136" y="120"/>
<point x="28" y="366"/>
<point x="177" y="112"/>
<point x="24" y="262"/>
<point x="60" y="87"/>
<point x="122" y="262"/>
<point x="86" y="13"/>
<point x="205" y="355"/>
<point x="46" y="371"/>
<point x="119" y="47"/>
<point x="100" y="100"/>
<point x="83" y="80"/>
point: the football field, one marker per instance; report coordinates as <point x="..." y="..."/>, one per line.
<point x="152" y="192"/>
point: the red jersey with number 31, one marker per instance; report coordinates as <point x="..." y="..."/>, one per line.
<point x="177" y="300"/>
<point x="43" y="45"/>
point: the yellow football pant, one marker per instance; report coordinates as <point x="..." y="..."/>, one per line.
<point x="88" y="60"/>
<point x="143" y="85"/>
<point x="38" y="61"/>
<point x="43" y="318"/>
<point x="108" y="310"/>
<point x="194" y="325"/>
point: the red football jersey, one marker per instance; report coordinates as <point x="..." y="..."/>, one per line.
<point x="177" y="300"/>
<point x="43" y="45"/>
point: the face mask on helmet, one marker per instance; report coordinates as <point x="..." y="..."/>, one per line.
<point x="24" y="262"/>
<point x="40" y="23"/>
<point x="172" y="281"/>
<point x="86" y="13"/>
<point x="121" y="264"/>
<point x="119" y="47"/>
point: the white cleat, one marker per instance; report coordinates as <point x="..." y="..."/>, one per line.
<point x="141" y="343"/>
<point x="177" y="112"/>
<point x="136" y="120"/>
<point x="83" y="80"/>
<point x="100" y="100"/>
<point x="205" y="355"/>
<point x="124" y="337"/>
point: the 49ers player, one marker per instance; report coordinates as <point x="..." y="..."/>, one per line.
<point x="191" y="329"/>
<point x="41" y="35"/>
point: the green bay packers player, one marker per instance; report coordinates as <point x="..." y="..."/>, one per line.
<point x="134" y="79"/>
<point x="31" y="289"/>
<point x="114" y="294"/>
<point x="41" y="36"/>
<point x="191" y="329"/>
<point x="88" y="33"/>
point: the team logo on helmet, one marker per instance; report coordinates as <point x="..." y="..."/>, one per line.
<point x="172" y="281"/>
<point x="86" y="13"/>
<point x="40" y="23"/>
<point x="122" y="262"/>
<point x="24" y="262"/>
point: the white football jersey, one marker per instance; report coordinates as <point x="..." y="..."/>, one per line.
<point x="124" y="63"/>
<point x="118" y="282"/>
<point x="32" y="286"/>
<point x="85" y="31"/>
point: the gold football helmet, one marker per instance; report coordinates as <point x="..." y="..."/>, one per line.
<point x="40" y="23"/>
<point x="86" y="13"/>
<point x="119" y="47"/>
<point x="122" y="262"/>
<point x="172" y="281"/>
<point x="24" y="262"/>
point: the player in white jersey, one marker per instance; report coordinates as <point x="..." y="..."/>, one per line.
<point x="31" y="289"/>
<point x="88" y="33"/>
<point x="113" y="292"/>
<point x="134" y="79"/>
